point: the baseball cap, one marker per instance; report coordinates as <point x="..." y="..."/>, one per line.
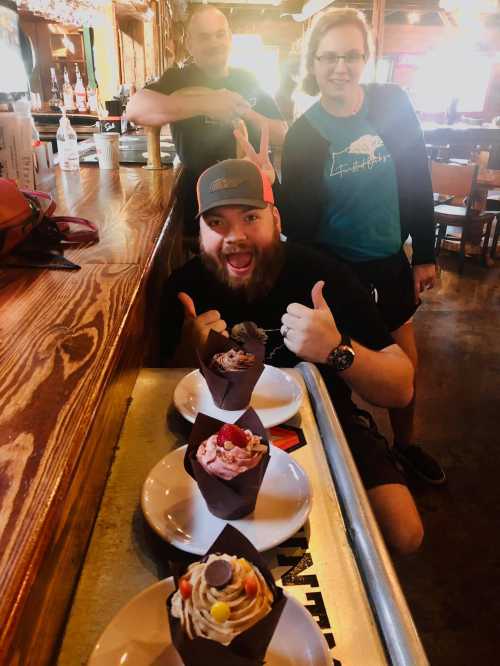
<point x="233" y="183"/>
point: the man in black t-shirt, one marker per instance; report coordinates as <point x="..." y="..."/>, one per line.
<point x="310" y="307"/>
<point x="202" y="100"/>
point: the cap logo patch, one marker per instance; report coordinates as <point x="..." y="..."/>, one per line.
<point x="225" y="184"/>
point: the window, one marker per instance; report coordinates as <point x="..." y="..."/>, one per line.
<point x="263" y="61"/>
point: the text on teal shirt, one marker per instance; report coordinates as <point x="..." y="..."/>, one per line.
<point x="361" y="219"/>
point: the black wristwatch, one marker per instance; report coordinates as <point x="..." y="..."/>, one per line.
<point x="342" y="357"/>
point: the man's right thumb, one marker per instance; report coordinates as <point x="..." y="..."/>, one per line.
<point x="187" y="304"/>
<point x="317" y="297"/>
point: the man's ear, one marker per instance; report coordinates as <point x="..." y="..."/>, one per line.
<point x="277" y="219"/>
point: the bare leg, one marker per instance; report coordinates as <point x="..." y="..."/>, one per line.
<point x="402" y="419"/>
<point x="397" y="517"/>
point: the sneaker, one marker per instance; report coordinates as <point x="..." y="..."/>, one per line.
<point x="415" y="460"/>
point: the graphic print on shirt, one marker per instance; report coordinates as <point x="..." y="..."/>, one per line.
<point x="361" y="155"/>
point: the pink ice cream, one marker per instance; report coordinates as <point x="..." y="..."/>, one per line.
<point x="226" y="460"/>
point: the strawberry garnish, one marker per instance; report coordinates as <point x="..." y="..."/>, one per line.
<point x="232" y="433"/>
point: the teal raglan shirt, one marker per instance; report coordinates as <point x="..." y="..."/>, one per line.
<point x="361" y="219"/>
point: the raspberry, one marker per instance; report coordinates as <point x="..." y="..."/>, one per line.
<point x="232" y="433"/>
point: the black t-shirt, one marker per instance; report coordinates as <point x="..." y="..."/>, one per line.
<point x="354" y="311"/>
<point x="201" y="141"/>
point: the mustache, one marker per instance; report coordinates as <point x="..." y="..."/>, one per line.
<point x="236" y="248"/>
<point x="268" y="265"/>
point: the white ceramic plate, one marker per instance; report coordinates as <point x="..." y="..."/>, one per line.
<point x="277" y="397"/>
<point x="176" y="510"/>
<point x="139" y="635"/>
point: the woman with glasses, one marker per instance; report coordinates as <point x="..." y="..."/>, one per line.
<point x="355" y="180"/>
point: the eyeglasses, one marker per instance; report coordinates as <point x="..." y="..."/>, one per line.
<point x="332" y="59"/>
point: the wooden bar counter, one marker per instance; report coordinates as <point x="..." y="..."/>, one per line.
<point x="71" y="344"/>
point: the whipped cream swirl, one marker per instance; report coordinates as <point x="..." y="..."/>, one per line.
<point x="229" y="460"/>
<point x="246" y="610"/>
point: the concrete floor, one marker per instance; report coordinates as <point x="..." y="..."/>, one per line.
<point x="453" y="584"/>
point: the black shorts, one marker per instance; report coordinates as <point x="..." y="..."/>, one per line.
<point x="390" y="280"/>
<point x="370" y="451"/>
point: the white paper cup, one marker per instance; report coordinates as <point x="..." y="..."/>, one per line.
<point x="108" y="150"/>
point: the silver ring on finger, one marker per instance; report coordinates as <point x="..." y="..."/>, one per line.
<point x="284" y="331"/>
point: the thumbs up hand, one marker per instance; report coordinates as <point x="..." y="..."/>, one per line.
<point x="311" y="333"/>
<point x="187" y="304"/>
<point x="196" y="328"/>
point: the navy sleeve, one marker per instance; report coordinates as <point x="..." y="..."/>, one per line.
<point x="299" y="196"/>
<point x="421" y="225"/>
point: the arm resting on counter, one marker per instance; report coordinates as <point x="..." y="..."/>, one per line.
<point x="148" y="107"/>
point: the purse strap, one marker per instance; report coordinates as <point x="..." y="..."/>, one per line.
<point x="88" y="234"/>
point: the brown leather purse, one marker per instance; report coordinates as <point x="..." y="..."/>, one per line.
<point x="25" y="214"/>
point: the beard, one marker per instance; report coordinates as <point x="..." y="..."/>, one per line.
<point x="268" y="263"/>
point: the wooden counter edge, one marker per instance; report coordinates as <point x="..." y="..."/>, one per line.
<point x="35" y="627"/>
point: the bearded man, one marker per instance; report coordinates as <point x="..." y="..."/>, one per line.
<point x="311" y="307"/>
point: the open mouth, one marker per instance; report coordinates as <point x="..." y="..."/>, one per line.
<point x="239" y="263"/>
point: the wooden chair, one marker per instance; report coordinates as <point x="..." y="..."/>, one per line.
<point x="459" y="180"/>
<point x="493" y="205"/>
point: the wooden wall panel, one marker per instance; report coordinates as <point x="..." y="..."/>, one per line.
<point x="131" y="38"/>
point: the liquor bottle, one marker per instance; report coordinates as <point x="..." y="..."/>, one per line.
<point x="92" y="99"/>
<point x="55" y="101"/>
<point x="67" y="147"/>
<point x="68" y="95"/>
<point x="80" y="93"/>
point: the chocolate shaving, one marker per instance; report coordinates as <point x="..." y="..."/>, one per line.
<point x="230" y="390"/>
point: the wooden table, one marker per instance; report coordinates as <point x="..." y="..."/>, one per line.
<point x="71" y="344"/>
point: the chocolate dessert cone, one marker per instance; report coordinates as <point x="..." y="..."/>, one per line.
<point x="229" y="500"/>
<point x="248" y="648"/>
<point x="231" y="390"/>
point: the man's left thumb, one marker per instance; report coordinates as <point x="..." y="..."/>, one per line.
<point x="318" y="299"/>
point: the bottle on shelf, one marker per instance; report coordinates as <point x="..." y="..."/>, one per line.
<point x="55" y="101"/>
<point x="67" y="145"/>
<point x="80" y="92"/>
<point x="68" y="94"/>
<point x="92" y="99"/>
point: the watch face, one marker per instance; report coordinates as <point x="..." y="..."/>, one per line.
<point x="341" y="358"/>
